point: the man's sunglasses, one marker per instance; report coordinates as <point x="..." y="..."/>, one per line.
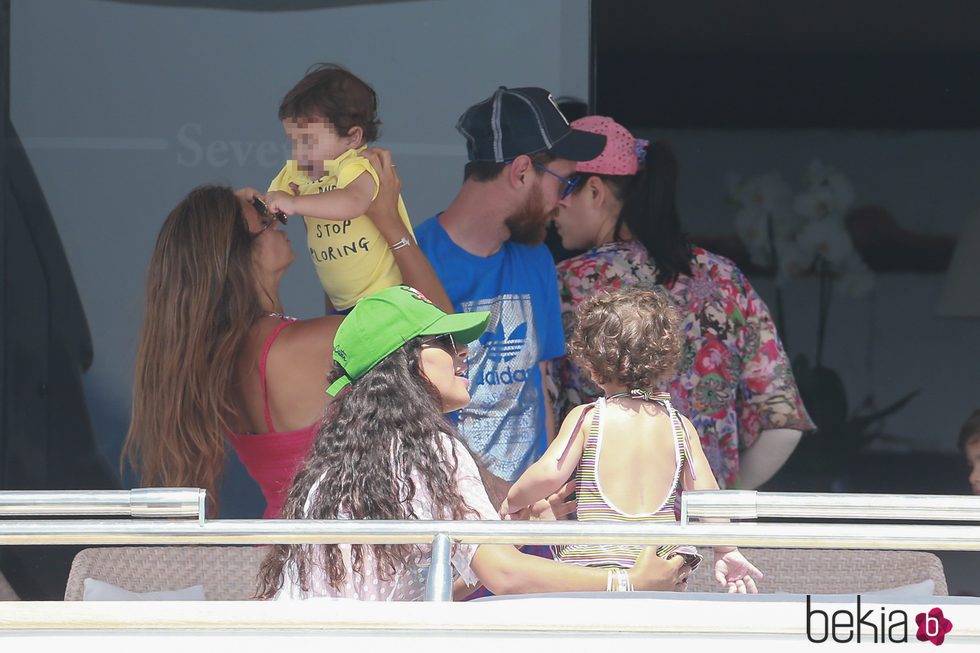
<point x="565" y="184"/>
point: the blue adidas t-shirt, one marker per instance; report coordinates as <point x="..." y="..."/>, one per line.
<point x="504" y="422"/>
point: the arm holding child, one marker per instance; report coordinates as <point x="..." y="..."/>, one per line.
<point x="383" y="212"/>
<point x="731" y="567"/>
<point x="553" y="469"/>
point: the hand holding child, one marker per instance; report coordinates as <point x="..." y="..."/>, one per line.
<point x="733" y="570"/>
<point x="516" y="513"/>
<point x="555" y="507"/>
<point x="653" y="573"/>
<point x="383" y="211"/>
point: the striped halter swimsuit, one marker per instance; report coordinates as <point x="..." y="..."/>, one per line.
<point x="593" y="505"/>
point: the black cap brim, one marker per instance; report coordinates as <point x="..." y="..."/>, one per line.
<point x="578" y="145"/>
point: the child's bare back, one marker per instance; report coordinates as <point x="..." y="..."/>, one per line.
<point x="637" y="457"/>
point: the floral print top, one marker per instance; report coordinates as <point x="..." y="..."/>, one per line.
<point x="734" y="379"/>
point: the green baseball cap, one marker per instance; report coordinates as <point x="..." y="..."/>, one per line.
<point x="381" y="323"/>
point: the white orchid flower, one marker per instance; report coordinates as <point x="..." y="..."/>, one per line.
<point x="767" y="191"/>
<point x="792" y="261"/>
<point x="751" y="225"/>
<point x="818" y="204"/>
<point x="828" y="239"/>
<point x="820" y="176"/>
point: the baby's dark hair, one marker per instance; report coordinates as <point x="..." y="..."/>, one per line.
<point x="970" y="431"/>
<point x="628" y="336"/>
<point x="332" y="92"/>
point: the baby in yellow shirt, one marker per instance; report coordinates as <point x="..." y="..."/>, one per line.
<point x="330" y="116"/>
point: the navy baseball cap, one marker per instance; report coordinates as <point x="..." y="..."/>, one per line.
<point x="516" y="121"/>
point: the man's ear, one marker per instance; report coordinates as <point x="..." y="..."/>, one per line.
<point x="355" y="137"/>
<point x="520" y="170"/>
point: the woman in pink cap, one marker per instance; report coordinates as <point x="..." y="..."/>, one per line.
<point x="734" y="379"/>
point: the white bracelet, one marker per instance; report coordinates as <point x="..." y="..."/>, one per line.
<point x="404" y="242"/>
<point x="627" y="584"/>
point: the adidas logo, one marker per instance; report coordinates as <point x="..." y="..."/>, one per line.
<point x="501" y="347"/>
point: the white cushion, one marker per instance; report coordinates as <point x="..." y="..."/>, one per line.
<point x="923" y="588"/>
<point x="97" y="590"/>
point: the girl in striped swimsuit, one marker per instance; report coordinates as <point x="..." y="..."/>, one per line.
<point x="631" y="451"/>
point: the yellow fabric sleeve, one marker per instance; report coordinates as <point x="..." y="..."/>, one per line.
<point x="352" y="168"/>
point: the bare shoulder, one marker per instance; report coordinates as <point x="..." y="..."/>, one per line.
<point x="692" y="430"/>
<point x="576" y="413"/>
<point x="688" y="424"/>
<point x="308" y="341"/>
<point x="576" y="417"/>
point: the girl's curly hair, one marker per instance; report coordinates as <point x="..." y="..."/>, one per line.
<point x="628" y="336"/>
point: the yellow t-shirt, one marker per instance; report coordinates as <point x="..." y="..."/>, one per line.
<point x="350" y="256"/>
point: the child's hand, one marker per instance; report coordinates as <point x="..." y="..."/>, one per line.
<point x="507" y="512"/>
<point x="733" y="570"/>
<point x="557" y="506"/>
<point x="504" y="510"/>
<point x="276" y="200"/>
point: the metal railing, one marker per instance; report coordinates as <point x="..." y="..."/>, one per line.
<point x="441" y="534"/>
<point x="267" y="531"/>
<point x="742" y="504"/>
<point x="170" y="503"/>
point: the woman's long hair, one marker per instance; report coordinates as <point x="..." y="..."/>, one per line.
<point x="649" y="209"/>
<point x="201" y="300"/>
<point x="373" y="438"/>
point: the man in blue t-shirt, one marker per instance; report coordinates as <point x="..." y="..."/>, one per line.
<point x="486" y="248"/>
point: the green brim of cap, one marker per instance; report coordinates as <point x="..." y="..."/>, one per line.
<point x="338" y="385"/>
<point x="464" y="327"/>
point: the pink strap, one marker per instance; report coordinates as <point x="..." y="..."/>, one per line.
<point x="262" y="363"/>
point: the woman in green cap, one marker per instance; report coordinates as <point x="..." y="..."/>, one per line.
<point x="386" y="451"/>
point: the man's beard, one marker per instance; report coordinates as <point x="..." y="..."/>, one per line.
<point x="529" y="225"/>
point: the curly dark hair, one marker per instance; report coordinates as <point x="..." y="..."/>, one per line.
<point x="333" y="92"/>
<point x="628" y="336"/>
<point x="374" y="436"/>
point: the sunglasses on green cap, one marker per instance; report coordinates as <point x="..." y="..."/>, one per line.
<point x="381" y="323"/>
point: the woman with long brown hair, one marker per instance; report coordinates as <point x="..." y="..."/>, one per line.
<point x="219" y="361"/>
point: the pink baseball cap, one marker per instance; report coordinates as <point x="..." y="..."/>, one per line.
<point x="621" y="156"/>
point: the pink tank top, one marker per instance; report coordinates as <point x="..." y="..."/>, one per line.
<point x="273" y="458"/>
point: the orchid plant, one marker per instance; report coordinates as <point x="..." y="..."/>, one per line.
<point x="805" y="234"/>
<point x="802" y="234"/>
